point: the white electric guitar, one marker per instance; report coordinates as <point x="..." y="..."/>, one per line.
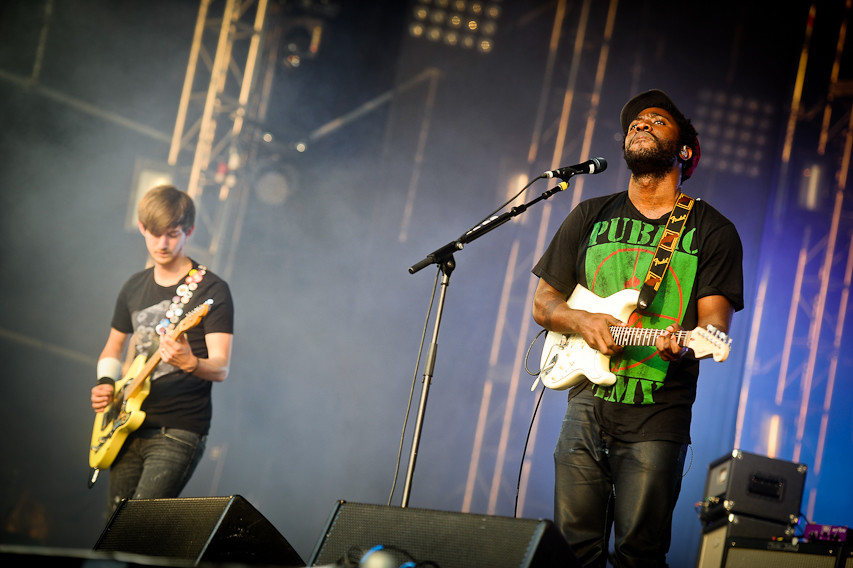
<point x="567" y="359"/>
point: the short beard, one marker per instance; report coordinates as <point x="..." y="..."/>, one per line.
<point x="655" y="162"/>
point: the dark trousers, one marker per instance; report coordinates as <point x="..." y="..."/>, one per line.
<point x="602" y="482"/>
<point x="154" y="464"/>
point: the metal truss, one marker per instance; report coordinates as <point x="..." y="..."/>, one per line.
<point x="490" y="483"/>
<point x="801" y="360"/>
<point x="223" y="101"/>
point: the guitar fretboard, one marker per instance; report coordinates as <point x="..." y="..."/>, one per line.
<point x="637" y="336"/>
<point x="133" y="386"/>
<point x="190" y="320"/>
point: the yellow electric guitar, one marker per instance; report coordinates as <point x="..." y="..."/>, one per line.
<point x="567" y="359"/>
<point x="123" y="415"/>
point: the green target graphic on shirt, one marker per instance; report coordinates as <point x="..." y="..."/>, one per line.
<point x="619" y="254"/>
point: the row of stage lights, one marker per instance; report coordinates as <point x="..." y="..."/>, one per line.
<point x="470" y="24"/>
<point x="735" y="132"/>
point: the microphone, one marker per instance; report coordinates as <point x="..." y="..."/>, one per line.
<point x="593" y="166"/>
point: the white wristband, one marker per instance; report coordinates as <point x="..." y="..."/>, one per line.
<point x="109" y="368"/>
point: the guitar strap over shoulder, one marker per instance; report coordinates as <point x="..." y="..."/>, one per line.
<point x="666" y="246"/>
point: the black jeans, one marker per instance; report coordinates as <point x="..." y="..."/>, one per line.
<point x="154" y="464"/>
<point x="602" y="482"/>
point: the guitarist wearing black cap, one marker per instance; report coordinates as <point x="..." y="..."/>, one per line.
<point x="621" y="450"/>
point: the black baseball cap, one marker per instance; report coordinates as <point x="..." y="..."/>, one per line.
<point x="649" y="99"/>
<point x="659" y="99"/>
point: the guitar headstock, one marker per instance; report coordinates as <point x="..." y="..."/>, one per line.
<point x="710" y="341"/>
<point x="192" y="318"/>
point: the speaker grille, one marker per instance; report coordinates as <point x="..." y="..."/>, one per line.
<point x="755" y="558"/>
<point x="164" y="527"/>
<point x="212" y="529"/>
<point x="448" y="539"/>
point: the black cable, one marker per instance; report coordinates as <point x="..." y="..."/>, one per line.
<point x="527" y="355"/>
<point x="508" y="201"/>
<point x="524" y="451"/>
<point x="412" y="390"/>
<point x="532" y="420"/>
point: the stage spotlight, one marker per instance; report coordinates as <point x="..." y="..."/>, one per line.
<point x="812" y="193"/>
<point x="417" y="30"/>
<point x="734" y="131"/>
<point x="274" y="181"/>
<point x="301" y="40"/>
<point x="146" y="174"/>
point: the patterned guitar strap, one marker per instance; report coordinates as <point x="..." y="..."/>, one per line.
<point x="666" y="246"/>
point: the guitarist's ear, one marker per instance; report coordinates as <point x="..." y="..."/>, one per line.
<point x="190" y="231"/>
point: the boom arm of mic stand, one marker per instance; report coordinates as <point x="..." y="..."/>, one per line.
<point x="439" y="255"/>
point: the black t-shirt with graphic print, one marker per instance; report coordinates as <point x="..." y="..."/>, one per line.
<point x="177" y="399"/>
<point x="606" y="245"/>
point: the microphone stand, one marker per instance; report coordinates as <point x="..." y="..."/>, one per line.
<point x="443" y="257"/>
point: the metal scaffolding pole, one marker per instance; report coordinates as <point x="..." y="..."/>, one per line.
<point x="218" y="99"/>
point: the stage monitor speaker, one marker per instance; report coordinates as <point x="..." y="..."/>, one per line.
<point x="203" y="529"/>
<point x="449" y="540"/>
<point x="29" y="556"/>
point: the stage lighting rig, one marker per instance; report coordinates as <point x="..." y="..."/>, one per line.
<point x="468" y="24"/>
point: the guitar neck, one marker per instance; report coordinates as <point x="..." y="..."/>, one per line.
<point x="636" y="336"/>
<point x="139" y="379"/>
<point x="149" y="367"/>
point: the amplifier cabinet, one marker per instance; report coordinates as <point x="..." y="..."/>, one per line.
<point x="751" y="553"/>
<point x="717" y="536"/>
<point x="756" y="486"/>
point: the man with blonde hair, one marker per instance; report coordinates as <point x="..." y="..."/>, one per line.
<point x="158" y="458"/>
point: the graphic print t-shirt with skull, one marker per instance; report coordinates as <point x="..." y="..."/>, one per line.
<point x="606" y="245"/>
<point x="177" y="399"/>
